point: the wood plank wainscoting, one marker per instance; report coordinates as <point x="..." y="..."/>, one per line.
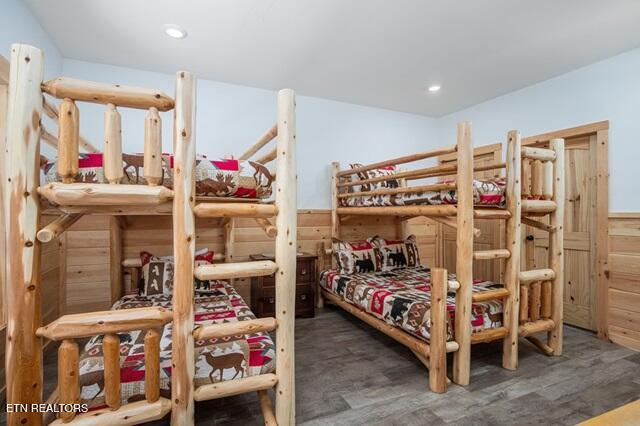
<point x="90" y="285"/>
<point x="624" y="279"/>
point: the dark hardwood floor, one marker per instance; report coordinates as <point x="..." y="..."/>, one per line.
<point x="349" y="374"/>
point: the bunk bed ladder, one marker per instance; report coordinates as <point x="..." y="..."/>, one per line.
<point x="541" y="289"/>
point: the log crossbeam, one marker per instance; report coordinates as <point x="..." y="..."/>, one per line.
<point x="77" y="326"/>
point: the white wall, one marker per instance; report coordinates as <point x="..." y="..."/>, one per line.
<point x="18" y="25"/>
<point x="230" y="118"/>
<point x="607" y="90"/>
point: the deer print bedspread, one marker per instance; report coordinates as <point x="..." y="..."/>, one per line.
<point x="216" y="359"/>
<point x="485" y="193"/>
<point x="216" y="178"/>
<point x="402" y="298"/>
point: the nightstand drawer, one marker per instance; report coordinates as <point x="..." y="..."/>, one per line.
<point x="263" y="289"/>
<point x="305" y="271"/>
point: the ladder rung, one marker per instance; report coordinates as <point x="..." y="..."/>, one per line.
<point x="235" y="210"/>
<point x="235" y="387"/>
<point x="489" y="335"/>
<point x="538" y="206"/>
<point x="221" y="271"/>
<point x="214" y="331"/>
<point x="484" y="296"/>
<point x="537" y="275"/>
<point x="491" y="254"/>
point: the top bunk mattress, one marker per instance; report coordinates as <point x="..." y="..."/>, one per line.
<point x="214" y="177"/>
<point x="489" y="192"/>
<point x="216" y="360"/>
<point x="402" y="298"/>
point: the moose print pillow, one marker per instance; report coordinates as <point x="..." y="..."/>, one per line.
<point x="397" y="253"/>
<point x="357" y="257"/>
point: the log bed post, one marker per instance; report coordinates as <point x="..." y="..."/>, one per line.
<point x="464" y="257"/>
<point x="438" y="334"/>
<point x="182" y="353"/>
<point x="335" y="219"/>
<point x="23" y="357"/>
<point x="511" y="308"/>
<point x="286" y="248"/>
<point x="556" y="247"/>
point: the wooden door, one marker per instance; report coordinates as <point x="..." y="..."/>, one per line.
<point x="586" y="199"/>
<point x="492" y="231"/>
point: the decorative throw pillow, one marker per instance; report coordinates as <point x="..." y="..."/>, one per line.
<point x="397" y="253"/>
<point x="375" y="173"/>
<point x="357" y="257"/>
<point x="157" y="272"/>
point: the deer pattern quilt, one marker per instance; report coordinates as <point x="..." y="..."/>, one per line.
<point x="216" y="178"/>
<point x="485" y="193"/>
<point x="402" y="297"/>
<point x="216" y="359"/>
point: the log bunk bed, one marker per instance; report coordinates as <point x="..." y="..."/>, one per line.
<point x="27" y="199"/>
<point x="531" y="300"/>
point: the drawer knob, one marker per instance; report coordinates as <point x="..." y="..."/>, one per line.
<point x="303" y="272"/>
<point x="303" y="297"/>
<point x="271" y="300"/>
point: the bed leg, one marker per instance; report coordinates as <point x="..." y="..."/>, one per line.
<point x="320" y="252"/>
<point x="286" y="248"/>
<point x="23" y="356"/>
<point x="511" y="308"/>
<point x="464" y="259"/>
<point x="438" y="333"/>
<point x="182" y="353"/>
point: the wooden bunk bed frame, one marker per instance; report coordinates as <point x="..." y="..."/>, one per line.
<point x="26" y="200"/>
<point x="532" y="300"/>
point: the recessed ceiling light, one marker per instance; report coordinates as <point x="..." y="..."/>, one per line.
<point x="174" y="31"/>
<point x="434" y="88"/>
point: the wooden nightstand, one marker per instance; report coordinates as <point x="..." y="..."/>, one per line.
<point x="263" y="290"/>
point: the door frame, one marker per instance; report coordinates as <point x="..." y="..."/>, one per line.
<point x="601" y="130"/>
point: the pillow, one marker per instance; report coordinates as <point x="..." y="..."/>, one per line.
<point x="157" y="271"/>
<point x="357" y="257"/>
<point x="157" y="274"/>
<point x="369" y="174"/>
<point x="397" y="253"/>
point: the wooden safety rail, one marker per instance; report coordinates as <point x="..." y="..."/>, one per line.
<point x="108" y="324"/>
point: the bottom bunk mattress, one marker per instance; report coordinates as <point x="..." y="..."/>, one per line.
<point x="216" y="360"/>
<point x="402" y="298"/>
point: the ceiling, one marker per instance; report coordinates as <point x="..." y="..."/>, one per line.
<point x="381" y="53"/>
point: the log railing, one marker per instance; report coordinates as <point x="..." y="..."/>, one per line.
<point x="108" y="324"/>
<point x="113" y="96"/>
